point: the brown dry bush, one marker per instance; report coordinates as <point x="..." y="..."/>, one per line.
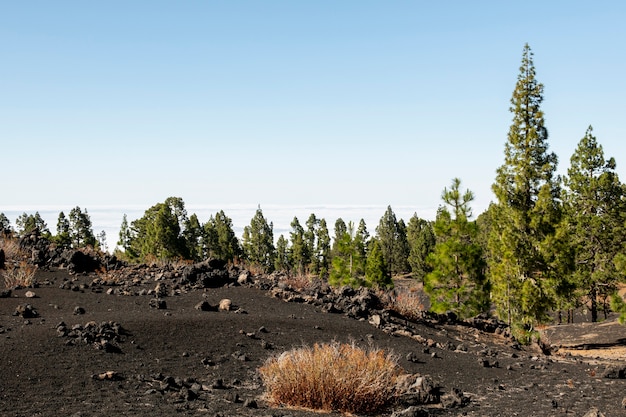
<point x="12" y="249"/>
<point x="19" y="276"/>
<point x="408" y="304"/>
<point x="331" y="377"/>
<point x="299" y="282"/>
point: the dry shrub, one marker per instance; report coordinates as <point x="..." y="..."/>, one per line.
<point x="331" y="377"/>
<point x="408" y="304"/>
<point x="19" y="276"/>
<point x="299" y="282"/>
<point x="12" y="250"/>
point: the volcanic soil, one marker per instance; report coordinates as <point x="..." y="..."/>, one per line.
<point x="181" y="360"/>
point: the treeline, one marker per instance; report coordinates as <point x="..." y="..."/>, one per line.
<point x="548" y="244"/>
<point x="75" y="230"/>
<point x="350" y="257"/>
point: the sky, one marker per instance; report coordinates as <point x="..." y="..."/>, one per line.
<point x="305" y="105"/>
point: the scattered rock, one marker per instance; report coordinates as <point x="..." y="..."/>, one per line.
<point x="416" y="389"/>
<point x="225" y="305"/>
<point x="78" y="311"/>
<point x="108" y="376"/>
<point x="455" y="398"/>
<point x="26" y="311"/>
<point x="30" y="294"/>
<point x="158" y="303"/>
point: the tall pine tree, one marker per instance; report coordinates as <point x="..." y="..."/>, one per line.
<point x="527" y="209"/>
<point x="593" y="206"/>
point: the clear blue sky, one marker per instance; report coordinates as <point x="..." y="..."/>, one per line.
<point x="291" y="102"/>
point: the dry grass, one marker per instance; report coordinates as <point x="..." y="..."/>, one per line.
<point x="298" y="282"/>
<point x="19" y="276"/>
<point x="12" y="250"/>
<point x="407" y="303"/>
<point x="331" y="377"/>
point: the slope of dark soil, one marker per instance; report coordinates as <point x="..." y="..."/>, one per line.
<point x="184" y="361"/>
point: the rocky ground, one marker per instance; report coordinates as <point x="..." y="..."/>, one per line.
<point x="150" y="342"/>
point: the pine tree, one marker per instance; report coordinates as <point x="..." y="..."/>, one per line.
<point x="527" y="209"/>
<point x="457" y="282"/>
<point x="62" y="237"/>
<point x="387" y="234"/>
<point x="323" y="249"/>
<point x="593" y="200"/>
<point x="298" y="252"/>
<point x="258" y="242"/>
<point x="281" y="262"/>
<point x="312" y="261"/>
<point x="421" y="240"/>
<point x="192" y="234"/>
<point x="5" y="226"/>
<point x="376" y="272"/>
<point x="80" y="230"/>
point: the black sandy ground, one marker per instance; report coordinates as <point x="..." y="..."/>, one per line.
<point x="182" y="361"/>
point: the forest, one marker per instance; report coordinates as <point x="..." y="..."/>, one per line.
<point x="546" y="246"/>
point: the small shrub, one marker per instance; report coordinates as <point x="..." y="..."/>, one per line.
<point x="408" y="304"/>
<point x="299" y="282"/>
<point x="331" y="377"/>
<point x="19" y="276"/>
<point x="12" y="250"/>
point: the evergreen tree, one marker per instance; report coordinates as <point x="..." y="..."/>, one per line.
<point x="81" y="232"/>
<point x="457" y="282"/>
<point x="527" y="210"/>
<point x="392" y="237"/>
<point x="361" y="243"/>
<point x="376" y="272"/>
<point x="340" y="230"/>
<point x="402" y="249"/>
<point x="312" y="261"/>
<point x="193" y="237"/>
<point x="258" y="242"/>
<point x="323" y="249"/>
<point x="386" y="234"/>
<point x="29" y="223"/>
<point x="281" y="262"/>
<point x="125" y="239"/>
<point x="5" y="226"/>
<point x="226" y="245"/>
<point x="298" y="253"/>
<point x="62" y="237"/>
<point x="421" y="240"/>
<point x="159" y="233"/>
<point x="345" y="254"/>
<point x="593" y="201"/>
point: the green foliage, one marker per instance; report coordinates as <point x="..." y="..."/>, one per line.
<point x="28" y="223"/>
<point x="593" y="204"/>
<point x="80" y="230"/>
<point x="62" y="238"/>
<point x="313" y="260"/>
<point x="281" y="262"/>
<point x="457" y="282"/>
<point x="258" y="242"/>
<point x="345" y="257"/>
<point x="323" y="249"/>
<point x="421" y="240"/>
<point x="376" y="272"/>
<point x="524" y="219"/>
<point x="192" y="235"/>
<point x="393" y="240"/>
<point x="159" y="233"/>
<point x="219" y="239"/>
<point x="5" y="226"/>
<point x="299" y="250"/>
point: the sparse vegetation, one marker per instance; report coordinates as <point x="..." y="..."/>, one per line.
<point x="22" y="275"/>
<point x="332" y="377"/>
<point x="406" y="303"/>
